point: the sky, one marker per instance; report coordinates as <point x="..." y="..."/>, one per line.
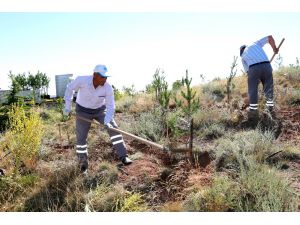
<point x="134" y="43"/>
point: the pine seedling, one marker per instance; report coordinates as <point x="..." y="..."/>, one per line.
<point x="192" y="103"/>
<point x="230" y="85"/>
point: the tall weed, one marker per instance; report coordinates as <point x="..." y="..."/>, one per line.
<point x="24" y="136"/>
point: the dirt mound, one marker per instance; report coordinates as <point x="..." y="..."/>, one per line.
<point x="199" y="178"/>
<point x="290" y="118"/>
<point x="140" y="172"/>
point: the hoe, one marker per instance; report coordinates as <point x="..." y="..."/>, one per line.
<point x="147" y="142"/>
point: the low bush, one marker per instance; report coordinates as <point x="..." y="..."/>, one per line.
<point x="214" y="90"/>
<point x="149" y="126"/>
<point x="292" y="73"/>
<point x="262" y="190"/>
<point x="213" y="131"/>
<point x="220" y="197"/>
<point x="11" y="188"/>
<point x="234" y="151"/>
<point x="206" y="117"/>
<point x="107" y="198"/>
<point x="257" y="189"/>
<point x="133" y="203"/>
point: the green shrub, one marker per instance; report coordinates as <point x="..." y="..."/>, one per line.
<point x="213" y="131"/>
<point x="220" y="197"/>
<point x="262" y="190"/>
<point x="257" y="189"/>
<point x="24" y="137"/>
<point x="133" y="203"/>
<point x="206" y="117"/>
<point x="149" y="126"/>
<point x="291" y="73"/>
<point x="106" y="198"/>
<point x="123" y="104"/>
<point x="214" y="90"/>
<point x="235" y="151"/>
<point x="10" y="187"/>
<point x="117" y="93"/>
<point x="172" y="124"/>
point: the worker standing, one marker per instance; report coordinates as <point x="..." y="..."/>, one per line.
<point x="258" y="68"/>
<point x="95" y="100"/>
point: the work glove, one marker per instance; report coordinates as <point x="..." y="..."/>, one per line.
<point x="108" y="126"/>
<point x="66" y="112"/>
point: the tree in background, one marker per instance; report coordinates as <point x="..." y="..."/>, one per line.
<point x="22" y="80"/>
<point x="158" y="83"/>
<point x="39" y="81"/>
<point x="45" y="83"/>
<point x="177" y="85"/>
<point x="160" y="87"/>
<point x="130" y="91"/>
<point x="14" y="89"/>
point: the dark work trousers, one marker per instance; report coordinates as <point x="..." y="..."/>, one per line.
<point x="256" y="74"/>
<point x="83" y="127"/>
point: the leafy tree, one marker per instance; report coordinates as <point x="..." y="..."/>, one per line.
<point x="14" y="89"/>
<point x="45" y="83"/>
<point x="39" y="81"/>
<point x="21" y="79"/>
<point x="33" y="82"/>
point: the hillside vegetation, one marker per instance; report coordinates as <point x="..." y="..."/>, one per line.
<point x="230" y="167"/>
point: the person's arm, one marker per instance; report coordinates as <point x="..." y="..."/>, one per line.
<point x="110" y="104"/>
<point x="73" y="86"/>
<point x="272" y="43"/>
<point x="246" y="67"/>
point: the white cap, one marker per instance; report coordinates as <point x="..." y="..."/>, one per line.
<point x="102" y="70"/>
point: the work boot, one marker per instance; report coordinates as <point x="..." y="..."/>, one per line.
<point x="253" y="118"/>
<point x="126" y="161"/>
<point x="83" y="162"/>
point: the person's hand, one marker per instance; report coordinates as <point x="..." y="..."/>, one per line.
<point x="108" y="126"/>
<point x="275" y="50"/>
<point x="66" y="112"/>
